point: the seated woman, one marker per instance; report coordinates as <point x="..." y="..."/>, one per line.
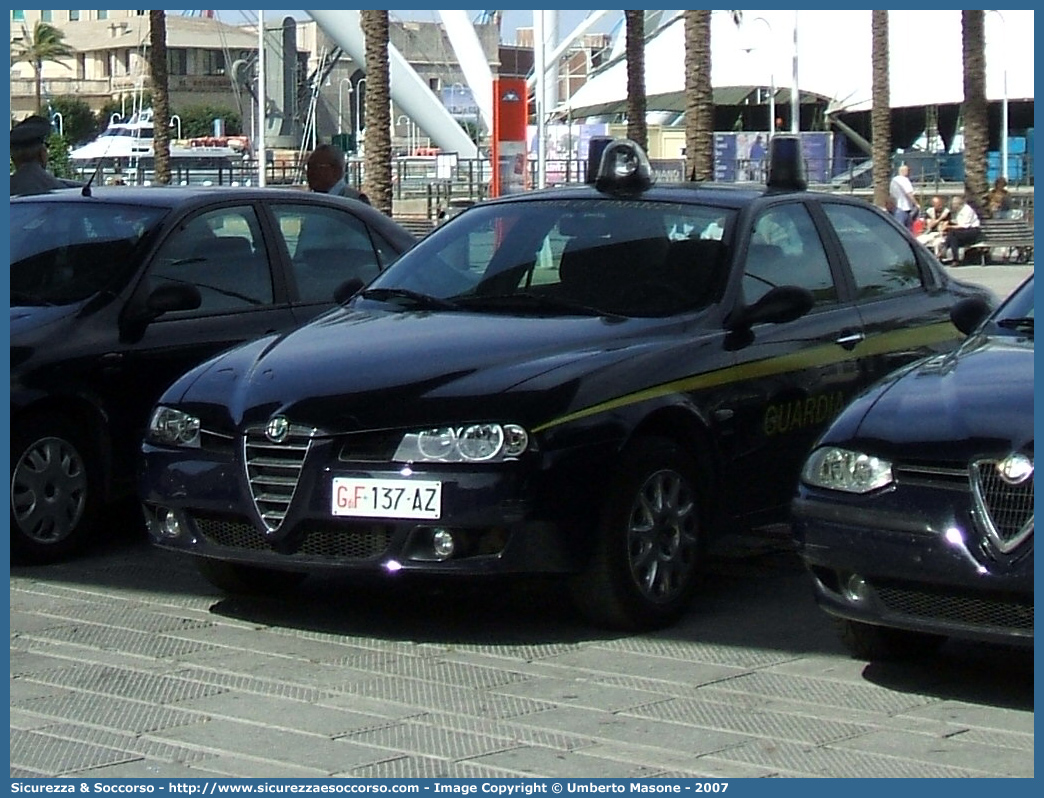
<point x="999" y="202"/>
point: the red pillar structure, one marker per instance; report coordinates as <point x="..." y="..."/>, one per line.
<point x="510" y="114"/>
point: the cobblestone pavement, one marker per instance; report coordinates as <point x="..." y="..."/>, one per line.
<point x="127" y="664"/>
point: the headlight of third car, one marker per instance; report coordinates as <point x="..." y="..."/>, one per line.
<point x="472" y="443"/>
<point x="844" y="470"/>
<point x="171" y="427"/>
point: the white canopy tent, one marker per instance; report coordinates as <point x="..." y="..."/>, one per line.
<point x="834" y="57"/>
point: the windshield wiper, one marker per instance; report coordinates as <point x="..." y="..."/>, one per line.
<point x="414" y="298"/>
<point x="1021" y="323"/>
<point x="529" y="301"/>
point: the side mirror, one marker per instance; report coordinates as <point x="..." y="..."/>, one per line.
<point x="347" y="290"/>
<point x="171" y="297"/>
<point x="969" y="313"/>
<point x="780" y="305"/>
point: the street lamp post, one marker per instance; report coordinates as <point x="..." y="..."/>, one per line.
<point x="1004" y="101"/>
<point x="795" y="97"/>
<point x="175" y="119"/>
<point x="409" y="131"/>
<point x="772" y="79"/>
<point x="57" y="117"/>
<point x="360" y="90"/>
<point x="340" y="113"/>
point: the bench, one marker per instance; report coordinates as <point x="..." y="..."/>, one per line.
<point x="1013" y="236"/>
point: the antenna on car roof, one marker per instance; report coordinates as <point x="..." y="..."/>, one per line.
<point x="86" y="190"/>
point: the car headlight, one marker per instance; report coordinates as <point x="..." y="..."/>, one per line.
<point x="170" y="427"/>
<point x="472" y="443"/>
<point x="840" y="469"/>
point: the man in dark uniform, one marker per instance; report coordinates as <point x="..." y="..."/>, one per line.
<point x="29" y="154"/>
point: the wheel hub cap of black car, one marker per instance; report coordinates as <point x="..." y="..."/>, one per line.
<point x="662" y="536"/>
<point x="49" y="490"/>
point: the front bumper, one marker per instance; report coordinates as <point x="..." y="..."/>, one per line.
<point x="914" y="558"/>
<point x="536" y="516"/>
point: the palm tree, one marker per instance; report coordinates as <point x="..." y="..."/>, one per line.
<point x="160" y="96"/>
<point x="699" y="94"/>
<point x="880" y="112"/>
<point x="976" y="131"/>
<point x="635" y="42"/>
<point x="699" y="97"/>
<point x="46" y="44"/>
<point x="377" y="162"/>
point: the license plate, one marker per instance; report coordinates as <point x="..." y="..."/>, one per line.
<point x="386" y="498"/>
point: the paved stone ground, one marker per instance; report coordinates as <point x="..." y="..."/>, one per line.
<point x="127" y="664"/>
<point x="1002" y="278"/>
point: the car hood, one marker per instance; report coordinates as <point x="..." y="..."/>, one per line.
<point x="975" y="401"/>
<point x="25" y="319"/>
<point x="357" y="369"/>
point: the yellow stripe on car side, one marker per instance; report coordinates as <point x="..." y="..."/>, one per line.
<point x="813" y="357"/>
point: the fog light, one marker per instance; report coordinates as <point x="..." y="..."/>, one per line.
<point x="442" y="544"/>
<point x="855" y="589"/>
<point x="169" y="526"/>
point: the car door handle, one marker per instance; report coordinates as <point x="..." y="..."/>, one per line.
<point x="849" y="340"/>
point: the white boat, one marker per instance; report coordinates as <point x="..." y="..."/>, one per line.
<point x="131" y="140"/>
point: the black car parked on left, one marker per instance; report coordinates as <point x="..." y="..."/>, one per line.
<point x="116" y="294"/>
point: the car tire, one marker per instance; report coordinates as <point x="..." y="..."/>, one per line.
<point x="650" y="543"/>
<point x="871" y="642"/>
<point x="55" y="490"/>
<point x="247" y="580"/>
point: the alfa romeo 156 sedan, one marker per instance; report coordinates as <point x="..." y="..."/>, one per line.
<point x="587" y="381"/>
<point x="915" y="511"/>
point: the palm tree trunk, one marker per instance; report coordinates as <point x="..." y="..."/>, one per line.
<point x="160" y="96"/>
<point x="636" y="103"/>
<point x="975" y="121"/>
<point x="377" y="164"/>
<point x="881" y="112"/>
<point x="699" y="97"/>
<point x="38" y="68"/>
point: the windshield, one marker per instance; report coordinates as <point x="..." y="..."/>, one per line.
<point x="567" y="256"/>
<point x="1016" y="314"/>
<point x="62" y="253"/>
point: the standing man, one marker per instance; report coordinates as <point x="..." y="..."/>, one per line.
<point x="324" y="170"/>
<point x="901" y="190"/>
<point x="29" y="154"/>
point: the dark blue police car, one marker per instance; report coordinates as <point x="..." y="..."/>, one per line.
<point x="587" y="381"/>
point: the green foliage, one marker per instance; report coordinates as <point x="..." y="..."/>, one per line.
<point x="79" y="124"/>
<point x="58" y="156"/>
<point x="198" y="120"/>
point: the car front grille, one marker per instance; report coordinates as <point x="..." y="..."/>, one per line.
<point x="968" y="610"/>
<point x="313" y="539"/>
<point x="1007" y="507"/>
<point x="273" y="470"/>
